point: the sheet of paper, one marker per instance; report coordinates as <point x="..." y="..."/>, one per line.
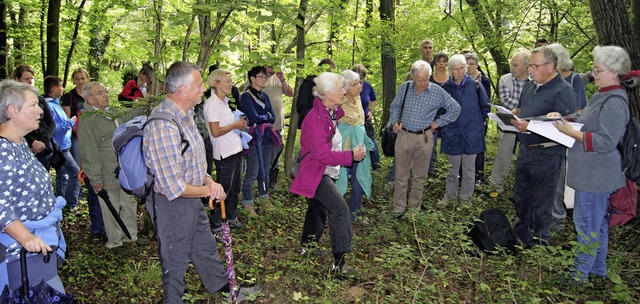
<point x="501" y="124"/>
<point x="548" y="130"/>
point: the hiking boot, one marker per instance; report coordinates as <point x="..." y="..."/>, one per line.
<point x="399" y="216"/>
<point x="267" y="205"/>
<point x="444" y="201"/>
<point x="342" y="272"/>
<point x="249" y="208"/>
<point x="142" y="241"/>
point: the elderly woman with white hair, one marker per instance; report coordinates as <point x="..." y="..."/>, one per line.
<point x="565" y="68"/>
<point x="321" y="159"/>
<point x="30" y="212"/>
<point x="594" y="162"/>
<point x="463" y="138"/>
<point x="351" y="127"/>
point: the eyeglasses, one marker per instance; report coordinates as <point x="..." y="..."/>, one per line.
<point x="537" y="66"/>
<point x="598" y="71"/>
<point x="261" y="76"/>
<point x="460" y="69"/>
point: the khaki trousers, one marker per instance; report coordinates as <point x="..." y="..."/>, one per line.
<point x="126" y="206"/>
<point x="412" y="157"/>
<point x="504" y="157"/>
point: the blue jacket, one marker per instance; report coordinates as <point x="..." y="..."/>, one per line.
<point x="466" y="134"/>
<point x="64" y="125"/>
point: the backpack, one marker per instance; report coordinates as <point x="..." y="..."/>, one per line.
<point x="305" y="99"/>
<point x="492" y="229"/>
<point x="630" y="150"/>
<point x="132" y="171"/>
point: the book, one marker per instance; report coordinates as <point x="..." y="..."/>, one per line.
<point x="548" y="130"/>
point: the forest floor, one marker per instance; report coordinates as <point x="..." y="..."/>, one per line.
<point x="424" y="258"/>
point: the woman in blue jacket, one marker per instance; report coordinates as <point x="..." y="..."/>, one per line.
<point x="464" y="138"/>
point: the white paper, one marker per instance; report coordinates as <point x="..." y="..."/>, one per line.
<point x="501" y="125"/>
<point x="548" y="130"/>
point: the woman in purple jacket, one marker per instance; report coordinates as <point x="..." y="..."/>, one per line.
<point x="322" y="157"/>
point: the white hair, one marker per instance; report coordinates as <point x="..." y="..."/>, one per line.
<point x="327" y="82"/>
<point x="349" y="77"/>
<point x="420" y="66"/>
<point x="457" y="60"/>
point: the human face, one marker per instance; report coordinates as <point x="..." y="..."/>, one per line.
<point x="27" y="78"/>
<point x="270" y="70"/>
<point x="99" y="97"/>
<point x="142" y="78"/>
<point x="57" y="91"/>
<point x="28" y="117"/>
<point x="441" y="64"/>
<point x="518" y="68"/>
<point x="472" y="67"/>
<point x="354" y="88"/>
<point x="458" y="71"/>
<point x="79" y="80"/>
<point x="541" y="71"/>
<point x="421" y="80"/>
<point x="224" y="85"/>
<point x="334" y="98"/>
<point x="426" y="50"/>
<point x="602" y="76"/>
<point x="195" y="89"/>
<point x="259" y="81"/>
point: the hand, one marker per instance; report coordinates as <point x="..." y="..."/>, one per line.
<point x="563" y="127"/>
<point x="434" y="126"/>
<point x="516" y="111"/>
<point x="97" y="187"/>
<point x="369" y="115"/>
<point x="74" y="118"/>
<point x="358" y="153"/>
<point x="240" y="124"/>
<point x="37" y="146"/>
<point x="280" y="76"/>
<point x="33" y="243"/>
<point x="397" y="127"/>
<point x="521" y="125"/>
<point x="554" y="114"/>
<point x="215" y="190"/>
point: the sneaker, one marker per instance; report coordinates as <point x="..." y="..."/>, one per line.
<point x="342" y="272"/>
<point x="399" y="216"/>
<point x="444" y="201"/>
<point x="142" y="241"/>
<point x="249" y="208"/>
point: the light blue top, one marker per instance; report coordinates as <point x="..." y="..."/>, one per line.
<point x="64" y="125"/>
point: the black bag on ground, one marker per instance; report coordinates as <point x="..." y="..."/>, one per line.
<point x="492" y="230"/>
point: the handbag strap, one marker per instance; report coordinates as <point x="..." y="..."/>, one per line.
<point x="406" y="91"/>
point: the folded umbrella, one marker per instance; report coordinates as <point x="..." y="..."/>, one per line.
<point x="228" y="252"/>
<point x="105" y="197"/>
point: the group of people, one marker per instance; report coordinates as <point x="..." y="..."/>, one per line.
<point x="447" y="96"/>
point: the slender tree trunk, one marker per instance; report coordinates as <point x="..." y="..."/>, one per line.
<point x="4" y="69"/>
<point x="74" y="41"/>
<point x="492" y="38"/>
<point x="157" y="47"/>
<point x="388" y="54"/>
<point x="19" y="44"/>
<point x="53" y="38"/>
<point x="301" y="50"/>
<point x="187" y="42"/>
<point x="612" y="24"/>
<point x="43" y="54"/>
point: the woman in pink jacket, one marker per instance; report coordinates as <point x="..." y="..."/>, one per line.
<point x="322" y="157"/>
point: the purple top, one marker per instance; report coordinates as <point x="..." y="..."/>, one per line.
<point x="367" y="96"/>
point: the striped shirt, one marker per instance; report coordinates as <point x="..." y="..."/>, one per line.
<point x="420" y="109"/>
<point x="510" y="92"/>
<point x="163" y="152"/>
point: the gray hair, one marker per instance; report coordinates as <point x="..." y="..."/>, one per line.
<point x="179" y="73"/>
<point x="524" y="55"/>
<point x="564" y="59"/>
<point x="420" y="66"/>
<point x="327" y="82"/>
<point x="472" y="56"/>
<point x="360" y="69"/>
<point x="613" y="58"/>
<point x="348" y="77"/>
<point x="88" y="88"/>
<point x="12" y="93"/>
<point x="457" y="60"/>
<point x="548" y="53"/>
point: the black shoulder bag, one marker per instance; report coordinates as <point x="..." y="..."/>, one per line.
<point x="387" y="134"/>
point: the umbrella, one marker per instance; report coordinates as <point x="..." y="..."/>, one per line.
<point x="39" y="294"/>
<point x="105" y="197"/>
<point x="261" y="171"/>
<point x="228" y="252"/>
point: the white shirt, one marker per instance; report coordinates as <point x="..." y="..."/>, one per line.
<point x="216" y="110"/>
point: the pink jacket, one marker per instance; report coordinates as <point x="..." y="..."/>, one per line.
<point x="314" y="138"/>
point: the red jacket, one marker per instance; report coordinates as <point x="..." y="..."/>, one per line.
<point x="130" y="91"/>
<point x="317" y="128"/>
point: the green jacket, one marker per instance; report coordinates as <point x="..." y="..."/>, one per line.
<point x="357" y="136"/>
<point x="95" y="132"/>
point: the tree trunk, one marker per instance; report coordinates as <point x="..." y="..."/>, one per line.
<point x="4" y="71"/>
<point x="612" y="24"/>
<point x="388" y="54"/>
<point x="76" y="26"/>
<point x="492" y="39"/>
<point x="19" y="43"/>
<point x="43" y="54"/>
<point x="301" y="50"/>
<point x="157" y="49"/>
<point x="53" y="38"/>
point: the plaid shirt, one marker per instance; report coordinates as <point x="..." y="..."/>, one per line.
<point x="420" y="110"/>
<point x="510" y="95"/>
<point x="163" y="152"/>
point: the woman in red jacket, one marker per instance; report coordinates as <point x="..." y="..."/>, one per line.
<point x="322" y="157"/>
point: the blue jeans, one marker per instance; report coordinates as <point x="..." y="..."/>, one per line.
<point x="537" y="173"/>
<point x="67" y="184"/>
<point x="253" y="173"/>
<point x="592" y="226"/>
<point x="391" y="176"/>
<point x="95" y="213"/>
<point x="355" y="202"/>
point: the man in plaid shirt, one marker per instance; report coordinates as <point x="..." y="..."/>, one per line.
<point x="510" y="87"/>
